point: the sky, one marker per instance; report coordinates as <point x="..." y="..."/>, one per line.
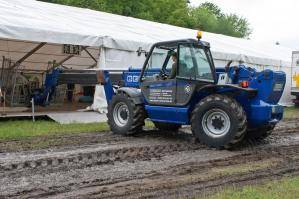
<point x="271" y="20"/>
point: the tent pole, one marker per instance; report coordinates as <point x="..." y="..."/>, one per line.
<point x="13" y="87"/>
<point x="2" y="69"/>
<point x="28" y="55"/>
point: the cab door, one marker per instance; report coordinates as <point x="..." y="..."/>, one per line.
<point x="156" y="89"/>
<point x="160" y="92"/>
<point x="194" y="72"/>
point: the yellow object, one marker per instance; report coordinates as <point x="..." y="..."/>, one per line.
<point x="199" y="35"/>
<point x="296" y="79"/>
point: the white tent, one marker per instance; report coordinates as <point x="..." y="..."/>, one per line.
<point x="113" y="39"/>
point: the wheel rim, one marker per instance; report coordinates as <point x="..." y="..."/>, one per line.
<point x="121" y="114"/>
<point x="216" y="123"/>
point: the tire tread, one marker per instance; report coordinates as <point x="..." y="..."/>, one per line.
<point x="139" y="115"/>
<point x="236" y="108"/>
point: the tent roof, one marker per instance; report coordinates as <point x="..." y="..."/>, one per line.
<point x="36" y="21"/>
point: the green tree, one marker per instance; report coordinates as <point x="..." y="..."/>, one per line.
<point x="238" y="25"/>
<point x="204" y="19"/>
<point x="214" y="9"/>
<point x="175" y="12"/>
<point x="209" y="17"/>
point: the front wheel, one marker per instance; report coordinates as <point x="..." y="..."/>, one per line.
<point x="219" y="121"/>
<point x="125" y="117"/>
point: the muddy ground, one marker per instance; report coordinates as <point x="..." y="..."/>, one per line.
<point x="151" y="165"/>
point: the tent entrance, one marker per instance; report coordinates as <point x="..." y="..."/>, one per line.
<point x="25" y="66"/>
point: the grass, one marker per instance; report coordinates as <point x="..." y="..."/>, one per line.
<point x="20" y="129"/>
<point x="291" y="112"/>
<point x="287" y="188"/>
<point x="10" y="130"/>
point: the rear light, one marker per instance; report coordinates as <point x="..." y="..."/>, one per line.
<point x="244" y="84"/>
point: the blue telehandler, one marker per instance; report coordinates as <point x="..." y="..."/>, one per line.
<point x="179" y="85"/>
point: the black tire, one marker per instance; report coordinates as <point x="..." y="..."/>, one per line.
<point x="135" y="115"/>
<point x="236" y="121"/>
<point x="259" y="133"/>
<point x="296" y="102"/>
<point x="162" y="126"/>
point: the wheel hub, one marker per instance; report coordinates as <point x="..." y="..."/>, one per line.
<point x="121" y="114"/>
<point x="216" y="123"/>
<point x="124" y="114"/>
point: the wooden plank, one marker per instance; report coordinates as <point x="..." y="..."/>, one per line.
<point x="28" y="55"/>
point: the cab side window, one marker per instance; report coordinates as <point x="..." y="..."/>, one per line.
<point x="160" y="60"/>
<point x="157" y="59"/>
<point x="154" y="64"/>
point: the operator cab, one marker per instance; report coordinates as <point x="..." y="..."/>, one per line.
<point x="174" y="69"/>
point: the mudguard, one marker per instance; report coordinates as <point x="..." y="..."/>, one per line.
<point x="134" y="93"/>
<point x="229" y="88"/>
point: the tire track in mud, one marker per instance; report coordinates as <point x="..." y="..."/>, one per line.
<point x="195" y="190"/>
<point x="153" y="150"/>
<point x="89" y="159"/>
<point x="156" y="185"/>
<point x="132" y="186"/>
<point x="87" y="156"/>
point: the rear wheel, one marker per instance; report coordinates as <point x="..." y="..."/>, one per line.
<point x="296" y="101"/>
<point x="219" y="121"/>
<point x="125" y="117"/>
<point x="167" y="126"/>
<point x="260" y="133"/>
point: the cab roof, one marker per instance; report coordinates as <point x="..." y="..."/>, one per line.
<point x="174" y="43"/>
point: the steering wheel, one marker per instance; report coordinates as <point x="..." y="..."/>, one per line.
<point x="163" y="75"/>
